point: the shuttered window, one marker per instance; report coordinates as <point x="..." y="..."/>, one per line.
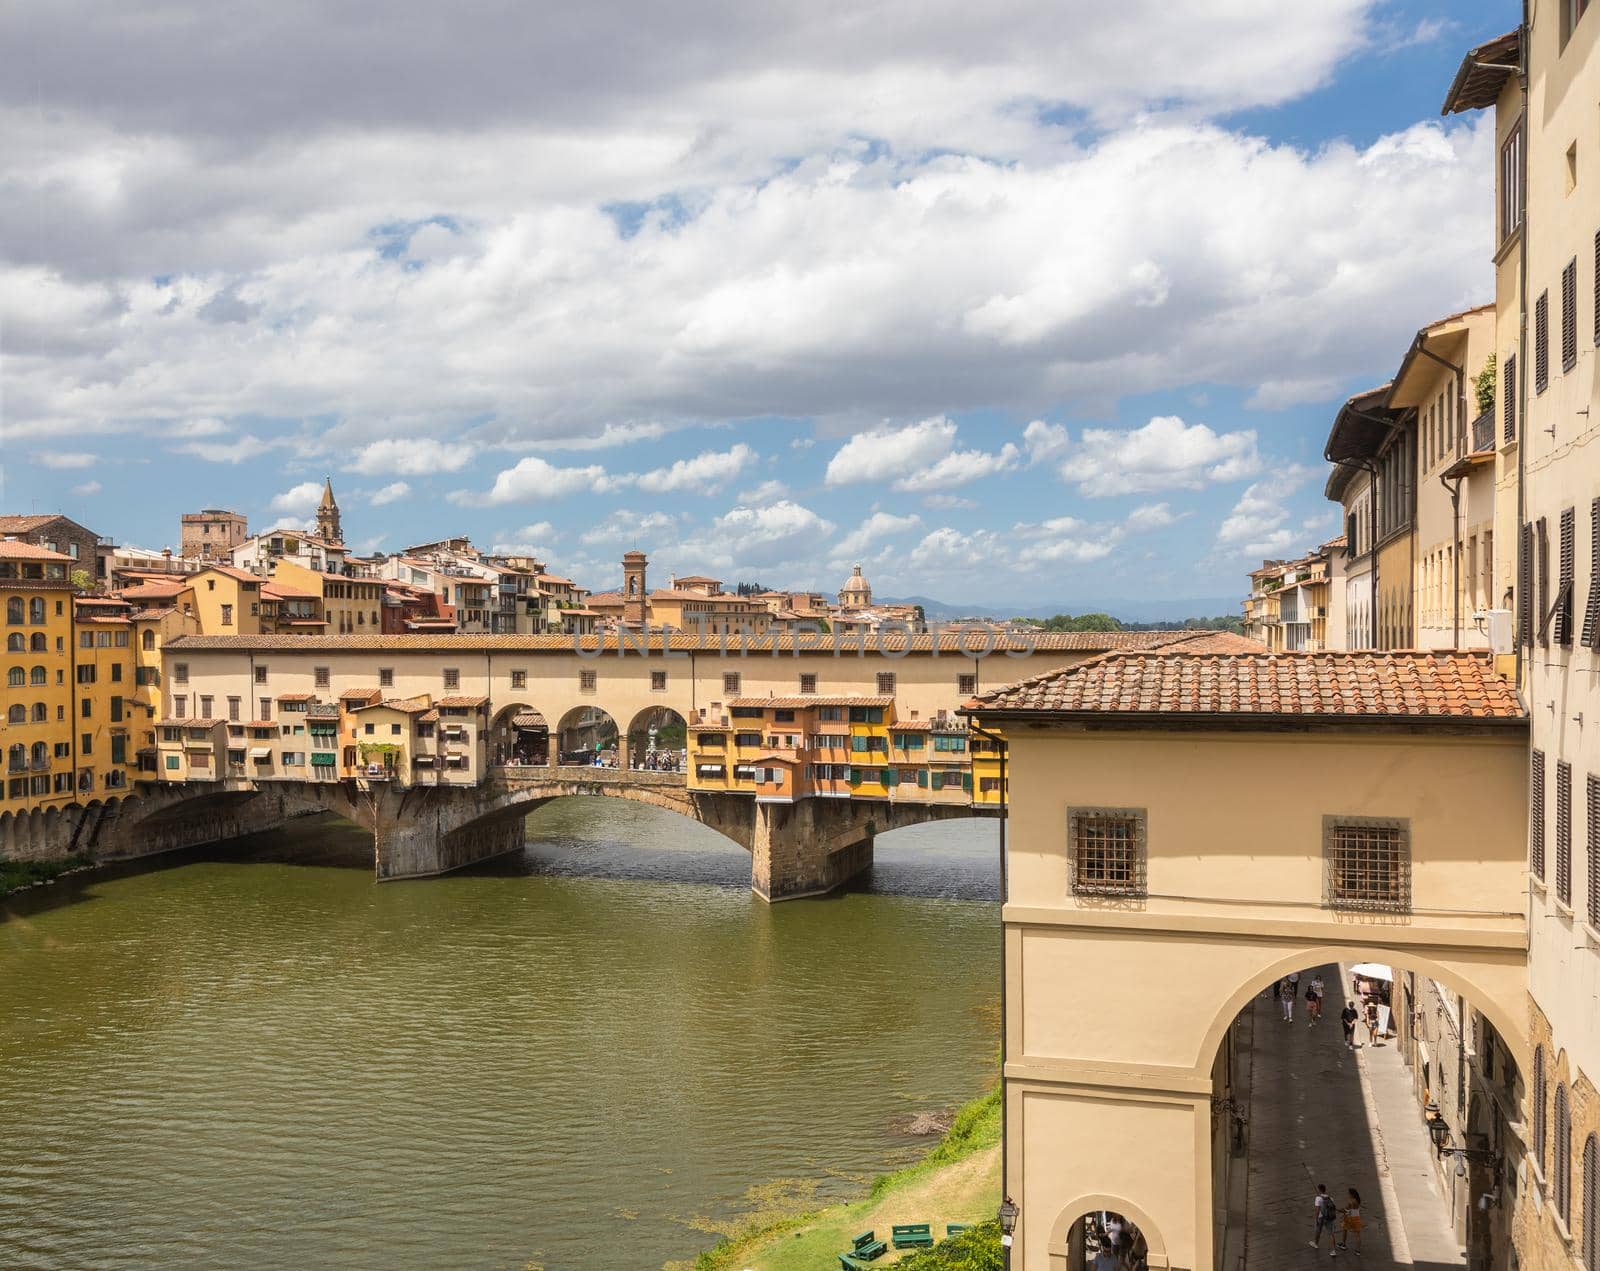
<point x="1565" y="578"/>
<point x="1525" y="586"/>
<point x="1538" y="1106"/>
<point x="1592" y="851"/>
<point x="1564" y="832"/>
<point x="1562" y="1191"/>
<point x="1591" y="610"/>
<point x="1569" y="315"/>
<point x="1597" y="317"/>
<point x="1508" y="396"/>
<point x="1541" y="342"/>
<point x="1536" y="815"/>
<point x="1541" y="566"/>
<point x="1591" y="1204"/>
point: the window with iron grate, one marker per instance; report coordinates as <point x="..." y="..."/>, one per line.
<point x="1367" y="864"/>
<point x="1564" y="832"/>
<point x="1561" y="1162"/>
<point x="1591" y="1204"/>
<point x="1536" y="814"/>
<point x="1539" y="1100"/>
<point x="1106" y="849"/>
<point x="1592" y="847"/>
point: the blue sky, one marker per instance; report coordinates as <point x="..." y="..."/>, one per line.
<point x="1013" y="309"/>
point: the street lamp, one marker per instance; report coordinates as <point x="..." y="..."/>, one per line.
<point x="1008" y="1224"/>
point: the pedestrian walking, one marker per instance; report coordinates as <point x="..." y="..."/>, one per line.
<point x="1326" y="1214"/>
<point x="1348" y="1018"/>
<point x="1372" y="1024"/>
<point x="1351" y="1224"/>
<point x="1286" y="1000"/>
<point x="1114" y="1231"/>
<point x="1314" y="1000"/>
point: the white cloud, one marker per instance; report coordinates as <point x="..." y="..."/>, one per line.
<point x="706" y="473"/>
<point x="65" y="459"/>
<point x="634" y="528"/>
<point x="1149" y="516"/>
<point x="958" y="468"/>
<point x="767" y="492"/>
<point x="871" y="533"/>
<point x="781" y="531"/>
<point x="539" y="529"/>
<point x="1165" y="454"/>
<point x="609" y="436"/>
<point x="1256" y="525"/>
<point x="298" y="501"/>
<point x="412" y="456"/>
<point x="1043" y="441"/>
<point x="239" y="450"/>
<point x="87" y="488"/>
<point x="949" y="501"/>
<point x="886" y="453"/>
<point x="390" y="493"/>
<point x="533" y="478"/>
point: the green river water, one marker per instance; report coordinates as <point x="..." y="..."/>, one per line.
<point x="582" y="1056"/>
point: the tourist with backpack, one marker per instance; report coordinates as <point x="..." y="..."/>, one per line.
<point x="1326" y="1214"/>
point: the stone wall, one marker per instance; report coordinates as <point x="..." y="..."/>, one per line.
<point x="1544" y="1242"/>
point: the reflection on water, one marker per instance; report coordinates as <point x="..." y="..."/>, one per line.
<point x="578" y="1057"/>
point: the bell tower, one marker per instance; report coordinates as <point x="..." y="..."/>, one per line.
<point x="328" y="515"/>
<point x="635" y="605"/>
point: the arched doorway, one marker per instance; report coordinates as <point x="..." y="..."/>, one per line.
<point x="658" y="740"/>
<point x="1105" y="1233"/>
<point x="519" y="737"/>
<point x="588" y="737"/>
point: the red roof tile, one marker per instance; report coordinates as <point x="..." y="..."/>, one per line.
<point x="1395" y="686"/>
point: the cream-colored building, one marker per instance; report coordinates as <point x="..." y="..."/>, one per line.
<point x="1546" y="258"/>
<point x="1145" y="909"/>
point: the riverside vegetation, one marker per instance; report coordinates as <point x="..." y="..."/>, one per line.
<point x="957" y="1181"/>
<point x="15" y="875"/>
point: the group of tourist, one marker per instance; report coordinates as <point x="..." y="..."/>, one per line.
<point x="1287" y="992"/>
<point x="1116" y="1245"/>
<point x="1336" y="1222"/>
<point x="663" y="761"/>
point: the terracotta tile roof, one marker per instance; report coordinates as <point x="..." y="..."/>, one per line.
<point x="462" y="700"/>
<point x="406" y="705"/>
<point x="230" y="571"/>
<point x="187" y="723"/>
<point x="1483" y="73"/>
<point x="350" y="694"/>
<point x="19" y="550"/>
<point x="296" y="697"/>
<point x="280" y="591"/>
<point x="23" y="524"/>
<point x="973" y="643"/>
<point x="428" y="717"/>
<point x="262" y="723"/>
<point x="1403" y="687"/>
<point x="153" y="591"/>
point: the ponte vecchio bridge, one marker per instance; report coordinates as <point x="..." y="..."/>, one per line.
<point x="441" y="744"/>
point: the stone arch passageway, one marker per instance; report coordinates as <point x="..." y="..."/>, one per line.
<point x="588" y="733"/>
<point x="658" y="740"/>
<point x="519" y="736"/>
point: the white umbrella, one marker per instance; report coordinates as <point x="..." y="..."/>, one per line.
<point x="1373" y="971"/>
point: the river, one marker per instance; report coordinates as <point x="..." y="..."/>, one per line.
<point x="581" y="1056"/>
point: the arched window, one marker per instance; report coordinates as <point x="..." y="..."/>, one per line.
<point x="1538" y="1106"/>
<point x="14" y="611"/>
<point x="1591" y="1204"/>
<point x="38" y="676"/>
<point x="17" y="715"/>
<point x="36" y="611"/>
<point x="18" y="757"/>
<point x="16" y="677"/>
<point x="148" y="640"/>
<point x="16" y="642"/>
<point x="1562" y="1191"/>
<point x="41" y="754"/>
<point x="41" y="713"/>
<point x="38" y="643"/>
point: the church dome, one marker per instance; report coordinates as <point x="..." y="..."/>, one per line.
<point x="856" y="592"/>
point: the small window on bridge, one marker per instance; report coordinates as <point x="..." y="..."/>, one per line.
<point x="519" y="679"/>
<point x="658" y="681"/>
<point x="322" y="676"/>
<point x="808" y="683"/>
<point x="587" y="681"/>
<point x="452" y="677"/>
<point x="730" y="684"/>
<point x="886" y="682"/>
<point x="1367" y="863"/>
<point x="966" y="685"/>
<point x="1107" y="851"/>
<point x="386" y="677"/>
<point x="261" y="674"/>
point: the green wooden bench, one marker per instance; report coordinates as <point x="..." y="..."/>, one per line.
<point x="956" y="1228"/>
<point x="912" y="1235"/>
<point x="868" y="1248"/>
<point x="847" y="1263"/>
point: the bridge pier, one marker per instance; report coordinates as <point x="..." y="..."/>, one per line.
<point x="808" y="848"/>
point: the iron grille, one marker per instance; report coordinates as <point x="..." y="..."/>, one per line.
<point x="1539" y="1089"/>
<point x="1564" y="832"/>
<point x="1536" y="814"/>
<point x="1107" y="851"/>
<point x="1368" y="864"/>
<point x="1591" y="612"/>
<point x="1591" y="1204"/>
<point x="1562" y="1157"/>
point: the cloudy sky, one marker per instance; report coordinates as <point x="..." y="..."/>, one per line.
<point x="1036" y="300"/>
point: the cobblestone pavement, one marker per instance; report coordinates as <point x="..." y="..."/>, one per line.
<point x="1317" y="1117"/>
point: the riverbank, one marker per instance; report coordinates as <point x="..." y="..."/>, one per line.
<point x="957" y="1181"/>
<point x="19" y="875"/>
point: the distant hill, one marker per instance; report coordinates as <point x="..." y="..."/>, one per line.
<point x="1173" y="610"/>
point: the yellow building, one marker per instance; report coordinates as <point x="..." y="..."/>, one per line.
<point x="227" y="601"/>
<point x="107" y="713"/>
<point x="1137" y="886"/>
<point x="39" y="734"/>
<point x="346" y="606"/>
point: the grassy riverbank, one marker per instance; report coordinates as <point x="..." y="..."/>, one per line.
<point x="958" y="1181"/>
<point x="15" y="875"/>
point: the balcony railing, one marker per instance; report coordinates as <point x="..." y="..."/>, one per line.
<point x="1483" y="431"/>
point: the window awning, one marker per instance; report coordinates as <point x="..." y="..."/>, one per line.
<point x="261" y="752"/>
<point x="709" y="769"/>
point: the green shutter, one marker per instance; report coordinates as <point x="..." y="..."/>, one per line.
<point x="966" y="782"/>
<point x="922" y="777"/>
<point x="893" y="775"/>
<point x="858" y="743"/>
